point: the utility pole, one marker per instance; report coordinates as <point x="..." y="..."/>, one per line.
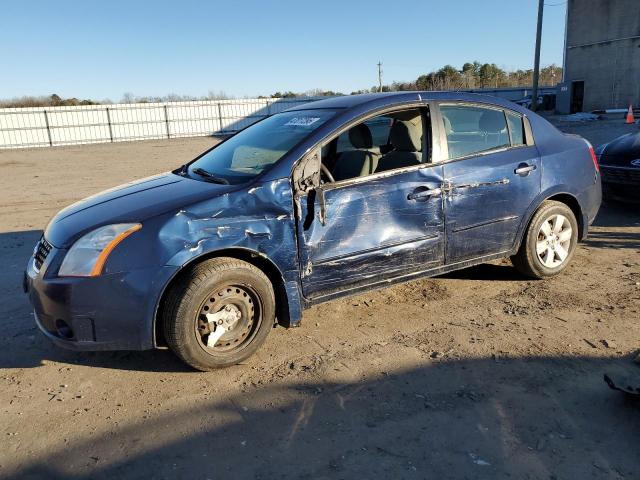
<point x="536" y="61"/>
<point x="564" y="47"/>
<point x="379" y="76"/>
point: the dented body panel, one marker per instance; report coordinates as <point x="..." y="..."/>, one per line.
<point x="257" y="219"/>
<point x="486" y="201"/>
<point x="317" y="241"/>
<point x="372" y="231"/>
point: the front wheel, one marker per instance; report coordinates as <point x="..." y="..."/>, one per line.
<point x="219" y="314"/>
<point x="549" y="242"/>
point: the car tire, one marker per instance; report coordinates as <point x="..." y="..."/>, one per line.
<point x="549" y="242"/>
<point x="219" y="313"/>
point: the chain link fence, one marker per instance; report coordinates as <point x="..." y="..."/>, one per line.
<point x="54" y="126"/>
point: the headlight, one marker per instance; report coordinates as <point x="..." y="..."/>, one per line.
<point x="87" y="256"/>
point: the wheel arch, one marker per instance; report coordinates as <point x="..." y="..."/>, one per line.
<point x="563" y="197"/>
<point x="571" y="202"/>
<point x="260" y="261"/>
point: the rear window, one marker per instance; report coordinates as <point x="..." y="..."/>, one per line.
<point x="516" y="128"/>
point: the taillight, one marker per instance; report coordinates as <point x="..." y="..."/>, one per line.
<point x="594" y="159"/>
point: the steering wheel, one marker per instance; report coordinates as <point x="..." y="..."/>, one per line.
<point x="327" y="173"/>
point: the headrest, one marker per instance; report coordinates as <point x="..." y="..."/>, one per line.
<point x="492" y="121"/>
<point x="360" y="136"/>
<point x="406" y="136"/>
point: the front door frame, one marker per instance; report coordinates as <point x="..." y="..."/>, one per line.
<point x="303" y="190"/>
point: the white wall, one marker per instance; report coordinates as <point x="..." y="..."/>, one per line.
<point x="27" y="127"/>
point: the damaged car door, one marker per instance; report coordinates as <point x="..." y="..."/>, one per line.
<point x="364" y="230"/>
<point x="492" y="176"/>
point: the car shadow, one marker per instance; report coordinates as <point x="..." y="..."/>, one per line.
<point x="488" y="272"/>
<point x="482" y="418"/>
<point x="612" y="216"/>
<point x="614" y="240"/>
<point x="143" y="361"/>
<point x="618" y="214"/>
<point x="28" y="348"/>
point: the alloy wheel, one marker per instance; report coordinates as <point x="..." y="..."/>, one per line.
<point x="554" y="241"/>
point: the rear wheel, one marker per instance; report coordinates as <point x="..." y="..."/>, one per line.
<point x="549" y="242"/>
<point x="219" y="314"/>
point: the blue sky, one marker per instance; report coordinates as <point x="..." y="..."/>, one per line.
<point x="91" y="49"/>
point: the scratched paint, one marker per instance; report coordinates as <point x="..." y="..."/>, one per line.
<point x="372" y="229"/>
<point x="486" y="201"/>
<point x="258" y="219"/>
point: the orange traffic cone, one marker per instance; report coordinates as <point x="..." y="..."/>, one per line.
<point x="630" y="118"/>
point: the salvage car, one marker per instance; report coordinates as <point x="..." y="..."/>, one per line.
<point x="326" y="199"/>
<point x="620" y="166"/>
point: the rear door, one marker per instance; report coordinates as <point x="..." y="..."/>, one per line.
<point x="491" y="177"/>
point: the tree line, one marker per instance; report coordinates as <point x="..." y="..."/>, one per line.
<point x="472" y="75"/>
<point x="56" y="101"/>
<point x="42" y="101"/>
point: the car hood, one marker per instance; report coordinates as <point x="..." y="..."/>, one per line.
<point x="131" y="202"/>
<point x="621" y="151"/>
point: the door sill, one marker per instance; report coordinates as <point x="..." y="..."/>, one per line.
<point x="429" y="272"/>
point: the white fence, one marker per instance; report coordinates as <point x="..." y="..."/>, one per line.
<point x="53" y="126"/>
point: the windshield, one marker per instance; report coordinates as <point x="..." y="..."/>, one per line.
<point x="253" y="150"/>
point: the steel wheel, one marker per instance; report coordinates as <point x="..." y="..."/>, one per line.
<point x="228" y="319"/>
<point x="554" y="241"/>
<point x="219" y="313"/>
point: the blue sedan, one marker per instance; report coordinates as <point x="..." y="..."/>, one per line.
<point x="323" y="200"/>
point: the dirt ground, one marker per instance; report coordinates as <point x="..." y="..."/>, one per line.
<point x="476" y="374"/>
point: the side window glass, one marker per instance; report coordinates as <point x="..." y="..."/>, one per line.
<point x="379" y="128"/>
<point x="516" y="128"/>
<point x="386" y="142"/>
<point x="472" y="130"/>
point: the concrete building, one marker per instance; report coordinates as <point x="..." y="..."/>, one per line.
<point x="602" y="55"/>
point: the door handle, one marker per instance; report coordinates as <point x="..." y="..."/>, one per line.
<point x="523" y="169"/>
<point x="423" y="193"/>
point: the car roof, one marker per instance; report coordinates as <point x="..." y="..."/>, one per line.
<point x="390" y="98"/>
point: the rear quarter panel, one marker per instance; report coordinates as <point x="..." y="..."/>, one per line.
<point x="567" y="168"/>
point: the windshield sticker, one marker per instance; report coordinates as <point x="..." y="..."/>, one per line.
<point x="302" y="121"/>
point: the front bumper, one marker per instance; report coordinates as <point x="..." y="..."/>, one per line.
<point x="107" y="312"/>
<point x="621" y="192"/>
<point x="621" y="183"/>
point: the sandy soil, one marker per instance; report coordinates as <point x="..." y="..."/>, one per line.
<point x="477" y="374"/>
